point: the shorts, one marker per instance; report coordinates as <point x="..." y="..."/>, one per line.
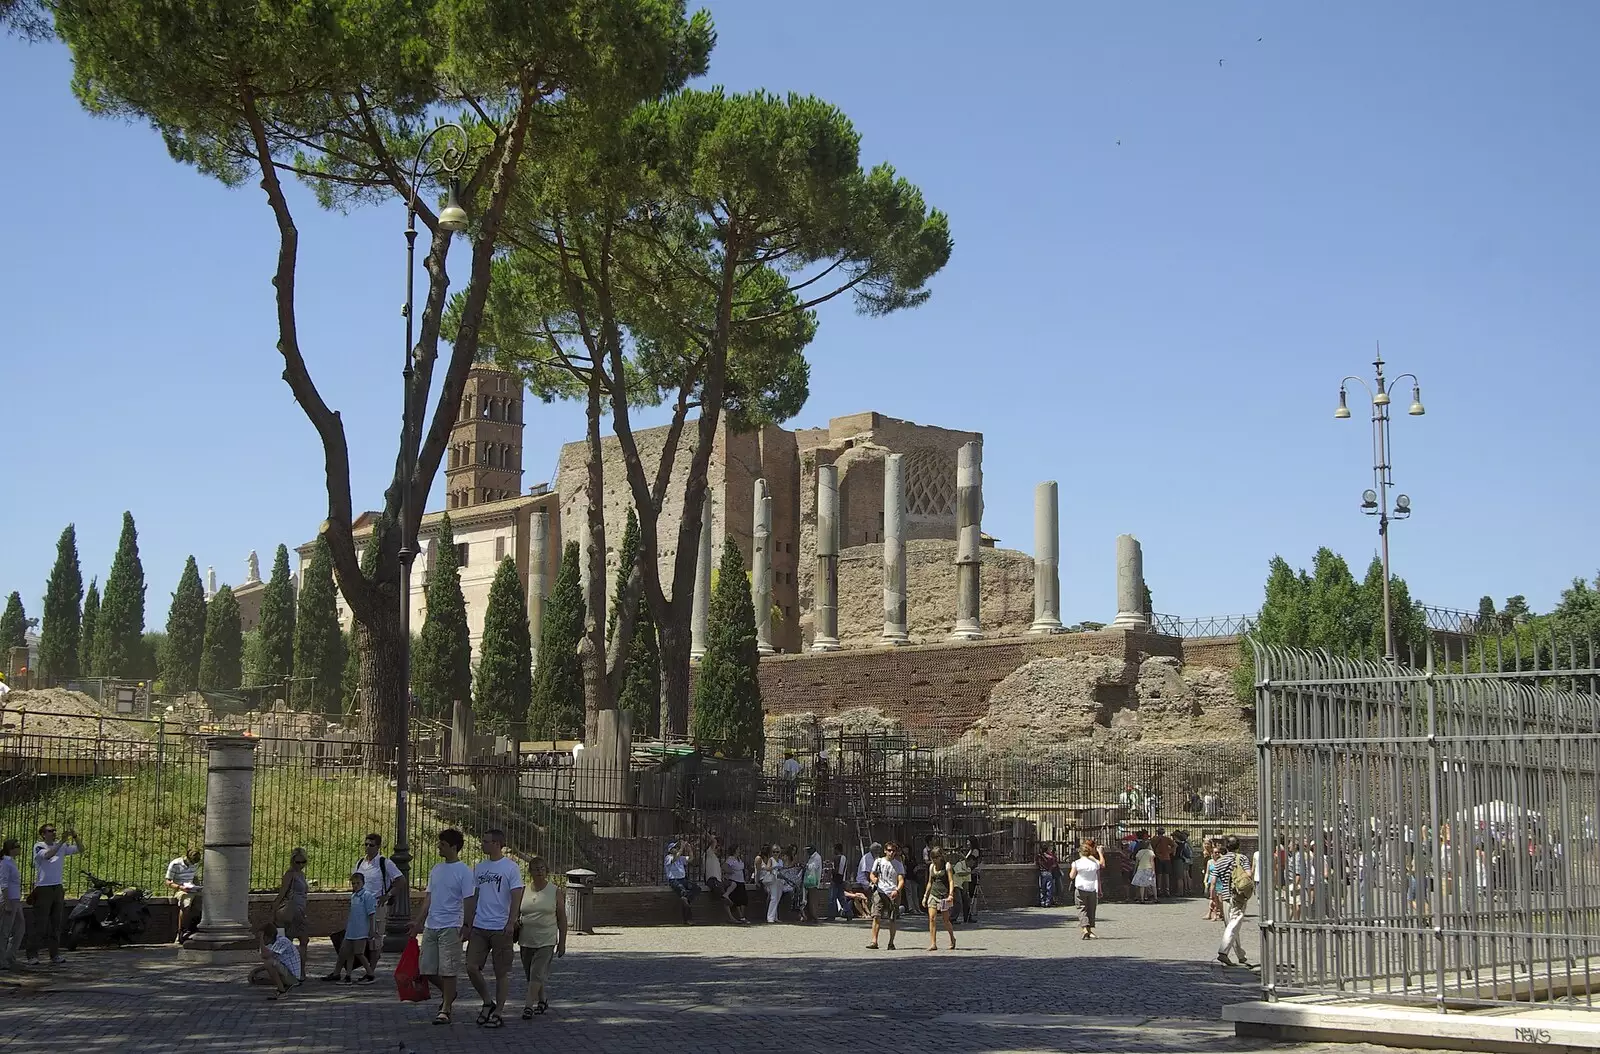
<point x="884" y="905"/>
<point x="441" y="952"/>
<point x="489" y="946"/>
<point x="738" y="896"/>
<point x="536" y="964"/>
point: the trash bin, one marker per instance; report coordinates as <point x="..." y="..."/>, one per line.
<point x="580" y="887"/>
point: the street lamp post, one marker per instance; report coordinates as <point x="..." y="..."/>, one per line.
<point x="452" y="217"/>
<point x="1375" y="502"/>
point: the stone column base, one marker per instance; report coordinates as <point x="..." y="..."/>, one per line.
<point x="966" y="634"/>
<point x="825" y="644"/>
<point x="1047" y="626"/>
<point x="208" y="956"/>
<point x="895" y="639"/>
<point x="1130" y="620"/>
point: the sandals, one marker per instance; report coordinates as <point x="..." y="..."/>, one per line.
<point x="494" y="1020"/>
<point x="543" y="1006"/>
<point x="485" y="1012"/>
<point x="442" y="1017"/>
<point x="527" y="1013"/>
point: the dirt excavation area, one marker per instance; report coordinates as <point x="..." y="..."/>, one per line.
<point x="55" y="713"/>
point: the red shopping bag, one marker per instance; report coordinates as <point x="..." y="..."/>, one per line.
<point x="408" y="980"/>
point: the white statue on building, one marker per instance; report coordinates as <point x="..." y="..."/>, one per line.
<point x="255" y="568"/>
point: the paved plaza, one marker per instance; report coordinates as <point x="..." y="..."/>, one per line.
<point x="1020" y="981"/>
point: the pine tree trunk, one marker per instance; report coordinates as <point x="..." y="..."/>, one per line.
<point x="383" y="685"/>
<point x="674" y="642"/>
<point x="592" y="648"/>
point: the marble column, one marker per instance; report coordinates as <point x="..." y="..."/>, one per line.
<point x="211" y="582"/>
<point x="761" y="569"/>
<point x="1046" y="558"/>
<point x="969" y="540"/>
<point x="825" y="622"/>
<point x="700" y="613"/>
<point x="895" y="630"/>
<point x="1130" y="585"/>
<point x="538" y="555"/>
<point x="225" y="934"/>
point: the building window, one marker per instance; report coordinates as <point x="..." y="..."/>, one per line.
<point x="461" y="553"/>
<point x="486" y="407"/>
<point x="499" y="549"/>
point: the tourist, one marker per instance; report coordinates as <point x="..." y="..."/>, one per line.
<point x="738" y="894"/>
<point x="280" y="964"/>
<point x="1085" y="873"/>
<point x="358" y="928"/>
<point x="961" y="872"/>
<point x="813" y="880"/>
<point x="1152" y="805"/>
<point x="939" y="898"/>
<point x="889" y="883"/>
<point x="711" y="863"/>
<point x="974" y="859"/>
<point x="1165" y="849"/>
<point x="289" y="910"/>
<point x="1144" y="873"/>
<point x="838" y="868"/>
<point x="791" y="777"/>
<point x="1182" y="862"/>
<point x="793" y="874"/>
<point x="181" y="880"/>
<point x="864" y="868"/>
<point x="1213" y="898"/>
<point x="1211" y="805"/>
<point x="49" y="897"/>
<point x="1233" y="900"/>
<point x="13" y="924"/>
<point x="1045" y="862"/>
<point x="767" y="864"/>
<point x="498" y="881"/>
<point x="677" y="875"/>
<point x="447" y="911"/>
<point x="380" y="875"/>
<point x="542" y="933"/>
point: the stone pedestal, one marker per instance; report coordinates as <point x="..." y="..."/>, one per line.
<point x="895" y="630"/>
<point x="538" y="589"/>
<point x="825" y="618"/>
<point x="700" y="614"/>
<point x="761" y="568"/>
<point x="969" y="540"/>
<point x="1046" y="558"/>
<point x="225" y="934"/>
<point x="1130" y="585"/>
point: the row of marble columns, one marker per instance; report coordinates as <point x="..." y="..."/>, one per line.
<point x="969" y="561"/>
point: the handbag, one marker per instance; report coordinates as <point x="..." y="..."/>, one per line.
<point x="408" y="982"/>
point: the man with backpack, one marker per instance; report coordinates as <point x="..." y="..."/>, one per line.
<point x="378" y="875"/>
<point x="1235" y="884"/>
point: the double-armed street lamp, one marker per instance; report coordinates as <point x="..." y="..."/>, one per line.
<point x="451" y="218"/>
<point x="1375" y="502"/>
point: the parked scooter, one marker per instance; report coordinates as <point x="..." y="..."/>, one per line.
<point x="105" y="913"/>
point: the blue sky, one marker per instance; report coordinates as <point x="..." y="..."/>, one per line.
<point x="1160" y="325"/>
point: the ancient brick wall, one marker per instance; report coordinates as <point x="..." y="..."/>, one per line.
<point x="1219" y="653"/>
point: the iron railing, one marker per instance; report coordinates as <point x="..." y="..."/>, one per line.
<point x="1429" y="833"/>
<point x="1205" y="626"/>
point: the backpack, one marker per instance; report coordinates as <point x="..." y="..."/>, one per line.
<point x="1244" y="883"/>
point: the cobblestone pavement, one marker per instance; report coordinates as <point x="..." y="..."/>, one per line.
<point x="1020" y="981"/>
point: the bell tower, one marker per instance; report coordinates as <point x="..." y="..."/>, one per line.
<point x="484" y="462"/>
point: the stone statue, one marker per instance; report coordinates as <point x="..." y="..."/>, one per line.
<point x="255" y="568"/>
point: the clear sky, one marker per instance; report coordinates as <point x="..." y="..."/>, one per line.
<point x="1163" y="266"/>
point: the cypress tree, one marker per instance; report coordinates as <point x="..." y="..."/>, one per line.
<point x="727" y="692"/>
<point x="119" y="632"/>
<point x="91" y="615"/>
<point x="441" y="663"/>
<point x="220" y="665"/>
<point x="319" y="649"/>
<point x="277" y="623"/>
<point x="350" y="677"/>
<point x="505" y="656"/>
<point x="186" y="633"/>
<point x="556" y="710"/>
<point x="641" y="674"/>
<point x="13" y="627"/>
<point x="60" y="632"/>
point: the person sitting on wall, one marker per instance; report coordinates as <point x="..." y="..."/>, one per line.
<point x="182" y="879"/>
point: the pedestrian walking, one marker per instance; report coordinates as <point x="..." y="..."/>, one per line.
<point x="939" y="898"/>
<point x="289" y="910"/>
<point x="1213" y="898"/>
<point x="380" y="876"/>
<point x="1235" y="884"/>
<point x="542" y="933"/>
<point x="738" y="893"/>
<point x="837" y="875"/>
<point x="498" y="881"/>
<point x="1045" y="862"/>
<point x="889" y="883"/>
<point x="49" y="897"/>
<point x="1086" y="871"/>
<point x="974" y="860"/>
<point x="446" y="913"/>
<point x="1165" y="848"/>
<point x="12" y="922"/>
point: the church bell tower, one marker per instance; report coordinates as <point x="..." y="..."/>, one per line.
<point x="484" y="462"/>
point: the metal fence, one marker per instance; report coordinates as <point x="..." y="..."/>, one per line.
<point x="1430" y="834"/>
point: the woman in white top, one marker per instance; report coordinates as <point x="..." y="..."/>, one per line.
<point x="542" y="933"/>
<point x="1144" y="872"/>
<point x="767" y="865"/>
<point x="1085" y="872"/>
<point x="733" y="870"/>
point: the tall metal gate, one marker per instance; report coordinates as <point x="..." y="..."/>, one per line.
<point x="1430" y="834"/>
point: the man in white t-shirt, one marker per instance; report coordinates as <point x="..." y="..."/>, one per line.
<point x="499" y="882"/>
<point x="446" y="913"/>
<point x="378" y="874"/>
<point x="181" y="879"/>
<point x="888" y="882"/>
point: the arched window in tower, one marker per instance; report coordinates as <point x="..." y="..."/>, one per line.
<point x="485" y="413"/>
<point x="512" y="409"/>
<point x="466" y="408"/>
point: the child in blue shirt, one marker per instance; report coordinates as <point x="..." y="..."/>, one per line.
<point x="357" y="931"/>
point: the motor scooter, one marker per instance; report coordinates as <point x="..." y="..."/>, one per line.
<point x="106" y="913"/>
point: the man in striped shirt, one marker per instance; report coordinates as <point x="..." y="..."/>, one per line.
<point x="1232" y="905"/>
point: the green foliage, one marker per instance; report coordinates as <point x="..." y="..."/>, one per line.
<point x="505" y="663"/>
<point x="147" y="657"/>
<point x="221" y="664"/>
<point x="441" y="664"/>
<point x="186" y="633"/>
<point x="250" y="658"/>
<point x="319" y="643"/>
<point x="640" y="694"/>
<point x="277" y="622"/>
<point x="120" y="625"/>
<point x="13" y="626"/>
<point x="1517" y="608"/>
<point x="59" y="634"/>
<point x="91" y="618"/>
<point x="1329" y="610"/>
<point x="727" y="692"/>
<point x="1577" y="616"/>
<point x="627" y="554"/>
<point x="350" y="676"/>
<point x="556" y="710"/>
<point x="1486" y="609"/>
